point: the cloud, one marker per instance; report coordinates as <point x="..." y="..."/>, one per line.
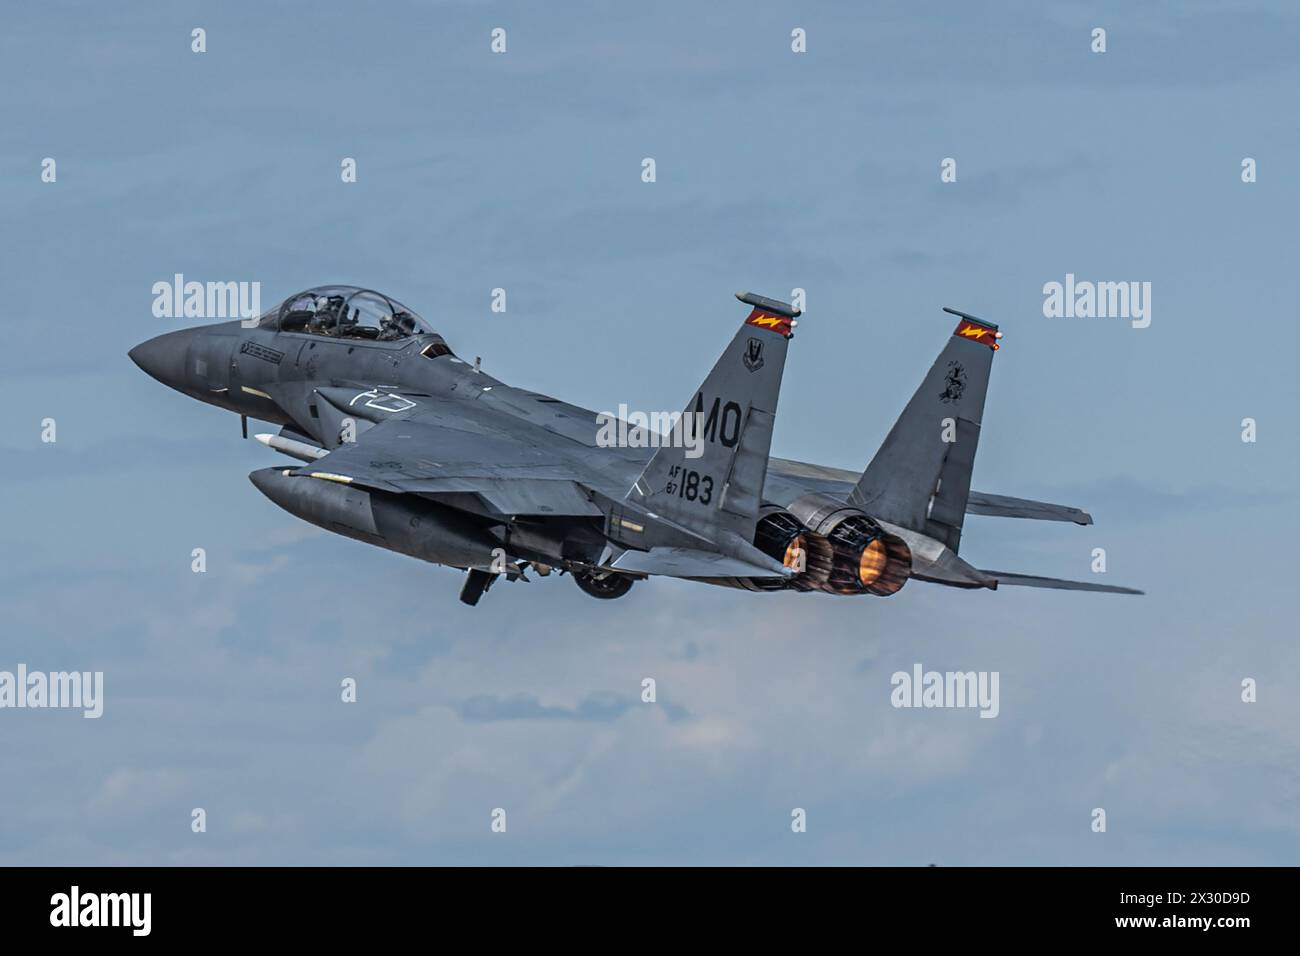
<point x="602" y="707"/>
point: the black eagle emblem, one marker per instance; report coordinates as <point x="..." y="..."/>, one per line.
<point x="954" y="383"/>
<point x="754" y="355"/>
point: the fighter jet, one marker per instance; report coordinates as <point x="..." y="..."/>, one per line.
<point x="399" y="443"/>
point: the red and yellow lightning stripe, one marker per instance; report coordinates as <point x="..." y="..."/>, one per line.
<point x="766" y="320"/>
<point x="978" y="333"/>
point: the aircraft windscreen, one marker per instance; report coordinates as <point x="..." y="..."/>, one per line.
<point x="350" y="313"/>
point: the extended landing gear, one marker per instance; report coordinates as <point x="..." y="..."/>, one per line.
<point x="605" y="585"/>
<point x="476" y="585"/>
<point x="478" y="582"/>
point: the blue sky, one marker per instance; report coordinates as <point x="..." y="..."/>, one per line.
<point x="774" y="171"/>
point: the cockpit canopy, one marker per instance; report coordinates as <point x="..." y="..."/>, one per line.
<point x="346" y="312"/>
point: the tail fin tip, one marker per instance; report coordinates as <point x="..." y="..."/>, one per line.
<point x="970" y="318"/>
<point x="769" y="305"/>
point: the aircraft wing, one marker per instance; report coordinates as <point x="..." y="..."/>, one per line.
<point x="434" y="459"/>
<point x="838" y="481"/>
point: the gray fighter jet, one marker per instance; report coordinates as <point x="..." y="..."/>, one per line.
<point x="410" y="448"/>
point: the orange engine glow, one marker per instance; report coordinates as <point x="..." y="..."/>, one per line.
<point x="793" y="551"/>
<point x="872" y="563"/>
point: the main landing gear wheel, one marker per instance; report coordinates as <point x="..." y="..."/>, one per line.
<point x="605" y="585"/>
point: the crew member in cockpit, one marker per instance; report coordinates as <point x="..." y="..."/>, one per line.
<point x="405" y="323"/>
<point x="326" y="319"/>
<point x="394" y="327"/>
<point x="348" y="324"/>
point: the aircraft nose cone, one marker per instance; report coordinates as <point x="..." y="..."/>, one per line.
<point x="163" y="356"/>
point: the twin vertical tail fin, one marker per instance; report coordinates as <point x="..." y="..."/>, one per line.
<point x="712" y="479"/>
<point x="920" y="477"/>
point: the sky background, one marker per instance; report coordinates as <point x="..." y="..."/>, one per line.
<point x="775" y="171"/>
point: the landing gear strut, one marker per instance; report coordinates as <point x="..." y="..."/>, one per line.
<point x="605" y="585"/>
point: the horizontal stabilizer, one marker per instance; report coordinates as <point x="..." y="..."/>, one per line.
<point x="1003" y="506"/>
<point x="690" y="563"/>
<point x="1033" y="581"/>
